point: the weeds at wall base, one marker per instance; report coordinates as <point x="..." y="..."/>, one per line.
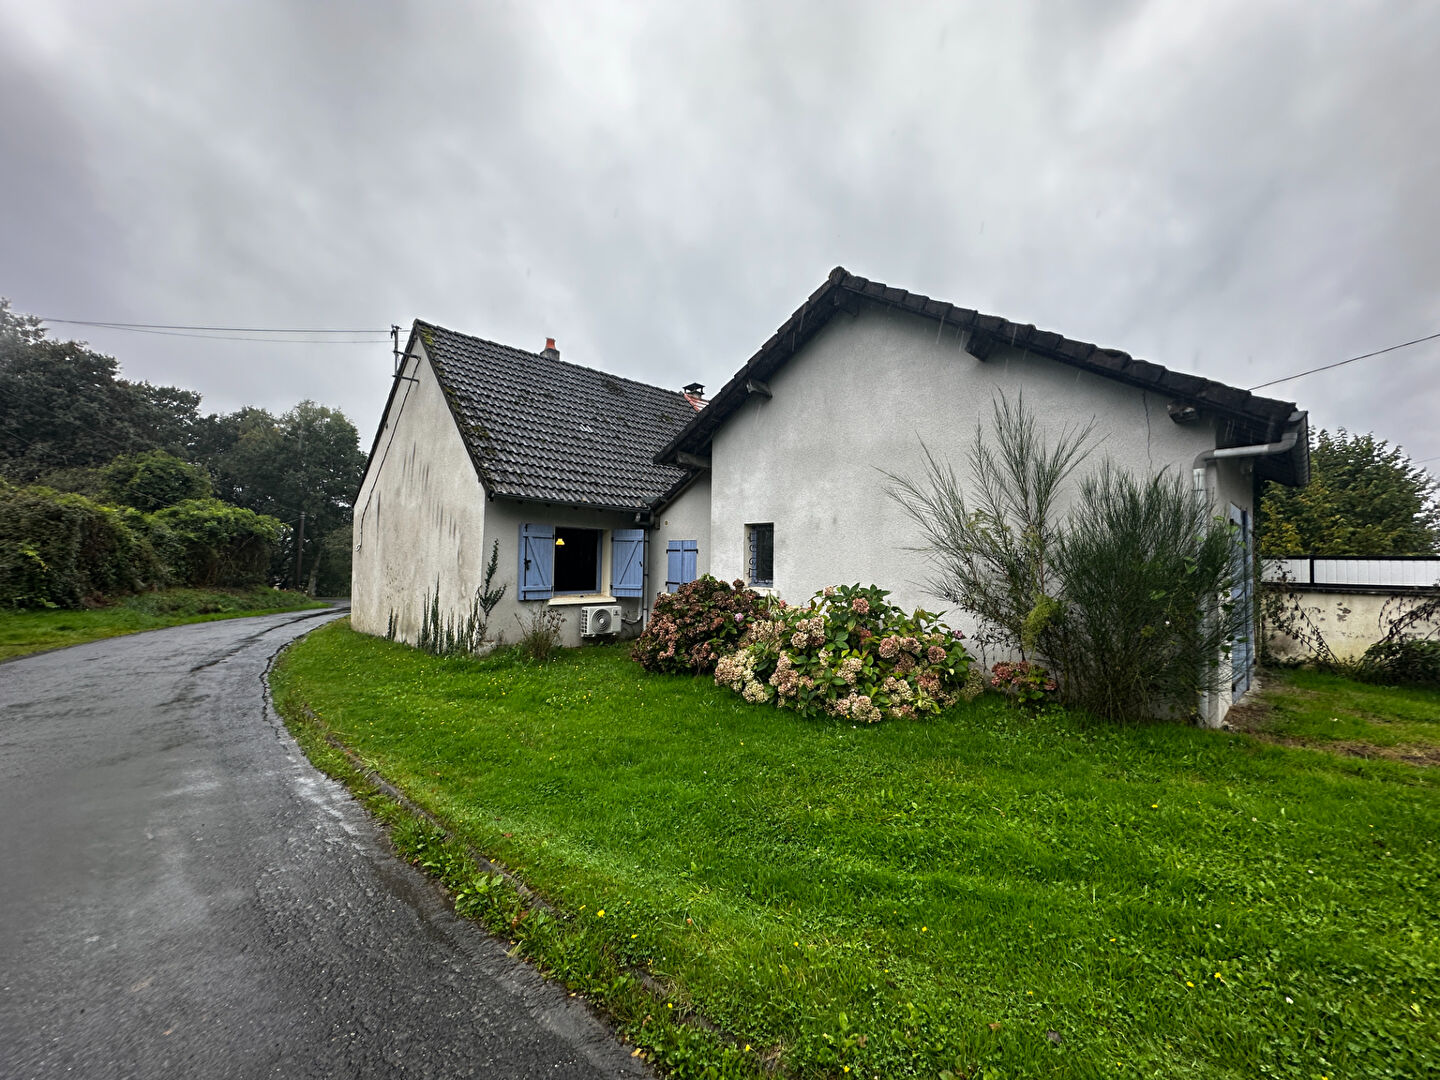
<point x="659" y="1025"/>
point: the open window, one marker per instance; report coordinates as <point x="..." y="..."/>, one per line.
<point x="577" y="560"/>
<point x="560" y="560"/>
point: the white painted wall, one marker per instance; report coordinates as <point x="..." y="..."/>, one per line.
<point x="420" y="514"/>
<point x="687" y="518"/>
<point x="862" y="397"/>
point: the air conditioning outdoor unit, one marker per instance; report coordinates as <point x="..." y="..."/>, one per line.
<point x="600" y="621"/>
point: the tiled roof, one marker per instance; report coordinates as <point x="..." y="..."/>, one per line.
<point x="540" y="428"/>
<point x="1249" y="418"/>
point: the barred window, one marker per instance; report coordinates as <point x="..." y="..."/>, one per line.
<point x="761" y="538"/>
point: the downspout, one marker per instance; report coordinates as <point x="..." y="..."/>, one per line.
<point x="1199" y="472"/>
<point x="645" y="578"/>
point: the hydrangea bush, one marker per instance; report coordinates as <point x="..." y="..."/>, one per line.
<point x="851" y="654"/>
<point x="703" y="620"/>
<point x="1023" y="681"/>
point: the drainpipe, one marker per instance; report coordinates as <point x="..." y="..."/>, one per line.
<point x="645" y="551"/>
<point x="1199" y="473"/>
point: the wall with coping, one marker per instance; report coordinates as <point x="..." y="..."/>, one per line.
<point x="419" y="515"/>
<point x="1349" y="622"/>
<point x="503" y="518"/>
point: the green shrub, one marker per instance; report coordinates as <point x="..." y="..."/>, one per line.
<point x="540" y="634"/>
<point x="703" y="620"/>
<point x="1145" y="617"/>
<point x="852" y="654"/>
<point x="153" y="480"/>
<point x="60" y="550"/>
<point x="208" y="542"/>
<point x="1403" y="662"/>
<point x="1022" y="682"/>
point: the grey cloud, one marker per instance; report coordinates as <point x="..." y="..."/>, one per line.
<point x="1241" y="190"/>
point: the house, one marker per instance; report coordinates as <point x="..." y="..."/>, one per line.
<point x="776" y="480"/>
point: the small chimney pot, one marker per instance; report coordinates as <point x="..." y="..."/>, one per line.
<point x="550" y="351"/>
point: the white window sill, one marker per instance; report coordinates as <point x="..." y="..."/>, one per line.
<point x="585" y="598"/>
<point x="764" y="590"/>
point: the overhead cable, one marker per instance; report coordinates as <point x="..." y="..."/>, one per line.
<point x="1342" y="363"/>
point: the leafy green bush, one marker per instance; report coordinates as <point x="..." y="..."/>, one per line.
<point x="208" y="542"/>
<point x="1403" y="662"/>
<point x="60" y="550"/>
<point x="703" y="620"/>
<point x="153" y="480"/>
<point x="852" y="654"/>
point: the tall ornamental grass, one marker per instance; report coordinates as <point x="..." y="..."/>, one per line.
<point x="1125" y="596"/>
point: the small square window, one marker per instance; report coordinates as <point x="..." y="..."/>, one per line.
<point x="761" y="541"/>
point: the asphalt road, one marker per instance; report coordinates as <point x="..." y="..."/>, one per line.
<point x="182" y="894"/>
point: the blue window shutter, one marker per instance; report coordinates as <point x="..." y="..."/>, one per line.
<point x="674" y="566"/>
<point x="689" y="559"/>
<point x="627" y="562"/>
<point x="681" y="560"/>
<point x="537" y="561"/>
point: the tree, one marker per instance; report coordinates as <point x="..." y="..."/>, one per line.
<point x="64" y="406"/>
<point x="1365" y="497"/>
<point x="306" y="461"/>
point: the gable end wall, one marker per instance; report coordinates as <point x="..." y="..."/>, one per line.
<point x="420" y="514"/>
<point x="859" y="399"/>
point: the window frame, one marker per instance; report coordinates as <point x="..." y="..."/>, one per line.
<point x="753" y="533"/>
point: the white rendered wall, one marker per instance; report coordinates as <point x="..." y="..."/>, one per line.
<point x="687" y="518"/>
<point x="420" y="514"/>
<point x="859" y="400"/>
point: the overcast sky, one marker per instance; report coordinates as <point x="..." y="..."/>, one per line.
<point x="1240" y="190"/>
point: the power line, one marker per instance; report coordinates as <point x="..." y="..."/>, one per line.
<point x="1342" y="363"/>
<point x="256" y="340"/>
<point x="227" y="329"/>
<point x="252" y="340"/>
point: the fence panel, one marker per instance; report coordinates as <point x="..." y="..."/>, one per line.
<point x="1360" y="573"/>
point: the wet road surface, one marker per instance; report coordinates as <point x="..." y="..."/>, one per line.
<point x="183" y="894"/>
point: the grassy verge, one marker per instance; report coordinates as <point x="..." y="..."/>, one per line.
<point x="23" y="632"/>
<point x="1315" y="708"/>
<point x="987" y="894"/>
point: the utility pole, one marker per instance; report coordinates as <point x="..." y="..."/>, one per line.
<point x="300" y="533"/>
<point x="299" y="550"/>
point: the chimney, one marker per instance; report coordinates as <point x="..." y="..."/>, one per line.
<point x="695" y="394"/>
<point x="550" y="352"/>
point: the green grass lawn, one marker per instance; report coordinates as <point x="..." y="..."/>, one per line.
<point x="1321" y="709"/>
<point x="23" y="632"/>
<point x="985" y="894"/>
